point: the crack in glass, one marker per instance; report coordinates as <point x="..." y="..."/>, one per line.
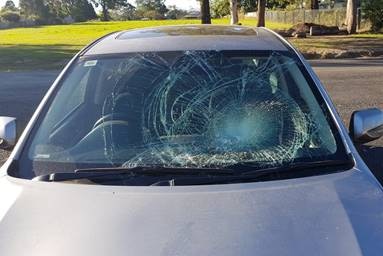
<point x="205" y="109"/>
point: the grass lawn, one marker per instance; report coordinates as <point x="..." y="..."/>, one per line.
<point x="49" y="47"/>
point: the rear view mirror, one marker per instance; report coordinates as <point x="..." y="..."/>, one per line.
<point x="366" y="125"/>
<point x="7" y="132"/>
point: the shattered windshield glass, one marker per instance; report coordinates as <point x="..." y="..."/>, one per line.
<point x="184" y="109"/>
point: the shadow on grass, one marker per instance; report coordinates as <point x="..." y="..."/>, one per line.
<point x="28" y="57"/>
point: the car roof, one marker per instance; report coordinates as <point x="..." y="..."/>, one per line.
<point x="187" y="37"/>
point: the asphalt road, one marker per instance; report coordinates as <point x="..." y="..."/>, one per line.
<point x="353" y="84"/>
<point x="356" y="84"/>
<point x="21" y="92"/>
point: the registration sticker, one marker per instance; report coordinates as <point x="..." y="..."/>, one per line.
<point x="90" y="63"/>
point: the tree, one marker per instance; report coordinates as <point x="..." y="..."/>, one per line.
<point x="155" y="9"/>
<point x="78" y="10"/>
<point x="373" y="11"/>
<point x="220" y="8"/>
<point x="261" y="13"/>
<point x="248" y="5"/>
<point x="9" y="6"/>
<point x="55" y="11"/>
<point x="124" y="13"/>
<point x="314" y="4"/>
<point x="175" y="13"/>
<point x="205" y="12"/>
<point x="37" y="9"/>
<point x="351" y="16"/>
<point x="279" y="4"/>
<point x="81" y="10"/>
<point x="233" y="12"/>
<point x="252" y="5"/>
<point x="56" y="8"/>
<point x="107" y="5"/>
<point x="10" y="16"/>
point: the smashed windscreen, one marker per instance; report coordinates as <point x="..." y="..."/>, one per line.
<point x="184" y="109"/>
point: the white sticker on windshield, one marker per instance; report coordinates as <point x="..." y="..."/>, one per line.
<point x="90" y="63"/>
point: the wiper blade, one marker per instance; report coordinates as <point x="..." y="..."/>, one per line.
<point x="253" y="175"/>
<point x="297" y="166"/>
<point x="134" y="171"/>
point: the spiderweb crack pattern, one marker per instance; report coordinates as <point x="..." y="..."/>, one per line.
<point x="205" y="109"/>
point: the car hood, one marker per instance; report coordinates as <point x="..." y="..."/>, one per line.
<point x="335" y="214"/>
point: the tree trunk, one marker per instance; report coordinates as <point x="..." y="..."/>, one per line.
<point x="205" y="12"/>
<point x="233" y="12"/>
<point x="351" y="16"/>
<point x="314" y="4"/>
<point x="105" y="13"/>
<point x="261" y="13"/>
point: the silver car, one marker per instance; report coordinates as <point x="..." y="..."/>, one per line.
<point x="189" y="140"/>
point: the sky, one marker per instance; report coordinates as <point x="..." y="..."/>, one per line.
<point x="182" y="4"/>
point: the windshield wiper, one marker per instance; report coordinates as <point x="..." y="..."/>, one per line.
<point x="134" y="171"/>
<point x="298" y="169"/>
<point x="294" y="166"/>
<point x="240" y="172"/>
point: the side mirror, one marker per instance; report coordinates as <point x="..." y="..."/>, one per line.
<point x="366" y="125"/>
<point x="7" y="132"/>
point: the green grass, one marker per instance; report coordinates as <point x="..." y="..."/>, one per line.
<point x="49" y="47"/>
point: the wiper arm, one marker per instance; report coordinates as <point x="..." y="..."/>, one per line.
<point x="134" y="171"/>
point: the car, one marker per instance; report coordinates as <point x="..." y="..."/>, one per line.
<point x="189" y="140"/>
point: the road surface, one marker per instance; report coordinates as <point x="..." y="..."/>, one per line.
<point x="356" y="84"/>
<point x="353" y="84"/>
